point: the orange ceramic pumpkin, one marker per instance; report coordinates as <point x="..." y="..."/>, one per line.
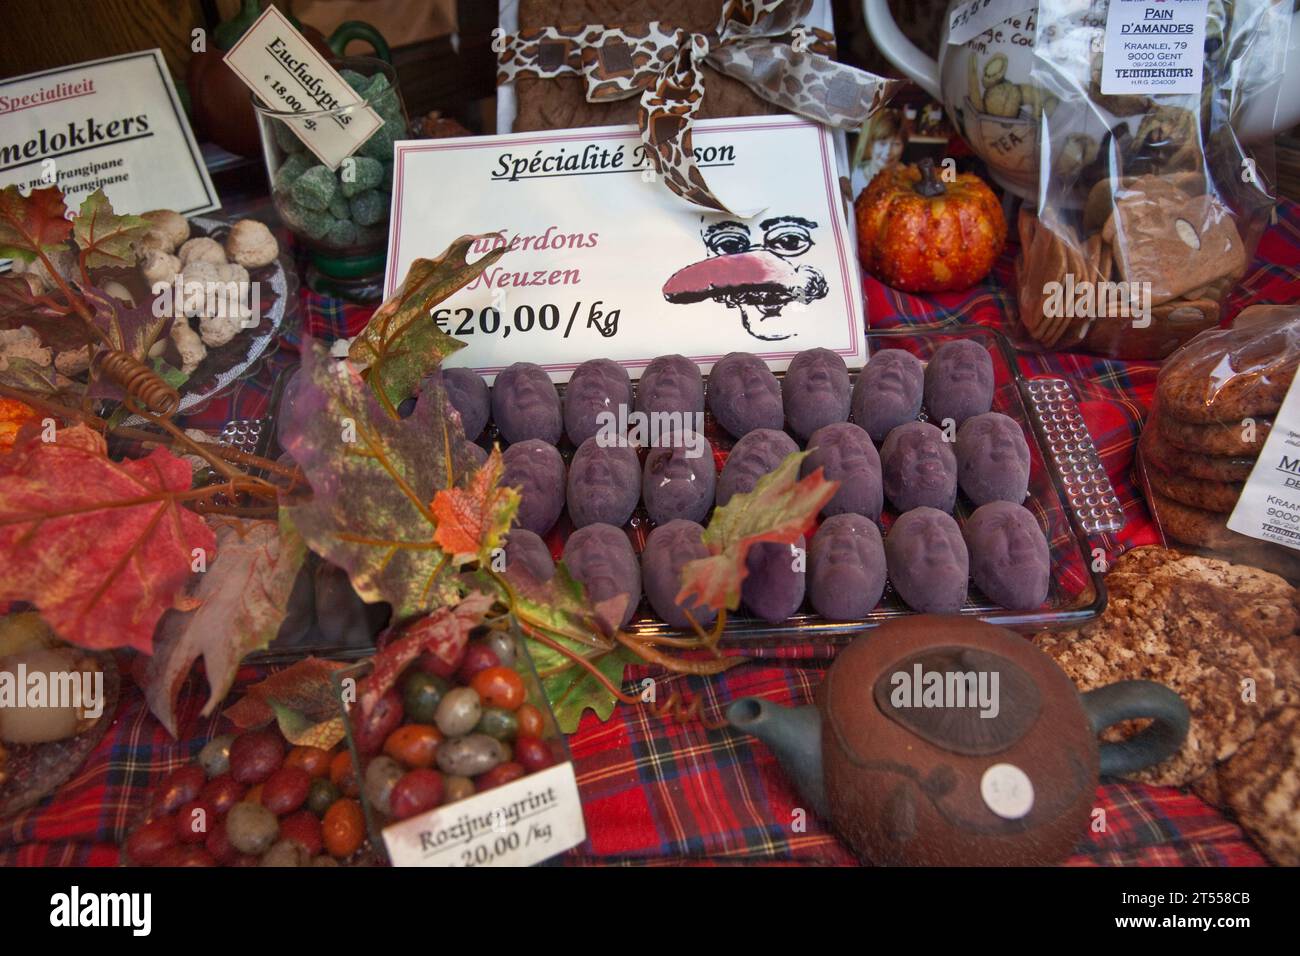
<point x="918" y="233"/>
<point x="13" y="415"/>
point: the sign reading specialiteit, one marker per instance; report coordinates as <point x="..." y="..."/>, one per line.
<point x="604" y="261"/>
<point x="1154" y="47"/>
<point x="290" y="76"/>
<point x="517" y="824"/>
<point x="114" y="123"/>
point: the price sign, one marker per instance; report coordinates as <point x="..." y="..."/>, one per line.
<point x="289" y="75"/>
<point x="518" y="824"/>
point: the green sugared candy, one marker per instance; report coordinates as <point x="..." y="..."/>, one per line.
<point x="498" y="723"/>
<point x="339" y="207"/>
<point x="381" y="96"/>
<point x="354" y="79"/>
<point x="368" y="207"/>
<point x="342" y="232"/>
<point x="314" y="188"/>
<point x="380" y="144"/>
<point x="286" y="138"/>
<point x="312" y="223"/>
<point x="359" y="173"/>
<point x="293" y="166"/>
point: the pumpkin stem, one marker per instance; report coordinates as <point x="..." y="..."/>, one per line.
<point x="930" y="185"/>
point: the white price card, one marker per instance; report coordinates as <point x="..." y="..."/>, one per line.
<point x="1269" y="505"/>
<point x="517" y="824"/>
<point x="289" y="75"/>
<point x="604" y="261"/>
<point x="1154" y="47"/>
<point x="974" y="17"/>
<point x="114" y="124"/>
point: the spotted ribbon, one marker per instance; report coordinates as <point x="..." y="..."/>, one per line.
<point x="762" y="43"/>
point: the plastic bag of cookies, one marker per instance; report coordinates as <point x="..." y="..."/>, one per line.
<point x="1150" y="205"/>
<point x="1218" y="400"/>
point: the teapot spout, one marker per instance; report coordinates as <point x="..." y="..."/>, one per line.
<point x="794" y="735"/>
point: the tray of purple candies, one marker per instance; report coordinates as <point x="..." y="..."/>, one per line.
<point x="952" y="498"/>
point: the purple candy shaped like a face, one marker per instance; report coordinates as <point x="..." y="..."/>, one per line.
<point x="679" y="482"/>
<point x="816" y="391"/>
<point x="596" y="388"/>
<point x="744" y="394"/>
<point x="536" y="469"/>
<point x="478" y="453"/>
<point x="992" y="459"/>
<point x="469" y="395"/>
<point x="668" y="549"/>
<point x="528" y="559"/>
<point x="888" y="392"/>
<point x="845" y="454"/>
<point x="774" y="587"/>
<point x="918" y="468"/>
<point x="958" y="382"/>
<point x="601" y="559"/>
<point x="526" y="405"/>
<point x="1009" y="558"/>
<point x="755" y="455"/>
<point x="846" y="567"/>
<point x="604" y="483"/>
<point x="928" y="562"/>
<point x="671" y="384"/>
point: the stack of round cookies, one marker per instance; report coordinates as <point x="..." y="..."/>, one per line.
<point x="1214" y="408"/>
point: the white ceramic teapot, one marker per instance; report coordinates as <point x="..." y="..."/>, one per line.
<point x="985" y="84"/>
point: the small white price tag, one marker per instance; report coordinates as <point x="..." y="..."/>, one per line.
<point x="517" y="824"/>
<point x="973" y="17"/>
<point x="1154" y="47"/>
<point x="1269" y="505"/>
<point x="288" y="74"/>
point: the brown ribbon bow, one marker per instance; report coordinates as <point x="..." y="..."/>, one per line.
<point x="762" y="43"/>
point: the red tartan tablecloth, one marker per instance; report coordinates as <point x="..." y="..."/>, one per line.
<point x="664" y="793"/>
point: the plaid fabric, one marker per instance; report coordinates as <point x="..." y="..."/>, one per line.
<point x="662" y="793"/>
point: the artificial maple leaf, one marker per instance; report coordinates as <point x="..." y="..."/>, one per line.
<point x="102" y="548"/>
<point x="473" y="519"/>
<point x="33" y="223"/>
<point x="373" y="479"/>
<point x="572" y="690"/>
<point x="131" y="328"/>
<point x="401" y="343"/>
<point x="780" y="508"/>
<point x="27" y="375"/>
<point x="301" y="699"/>
<point x="47" y="315"/>
<point x="104" y="237"/>
<point x="244" y="596"/>
<point x="444" y="633"/>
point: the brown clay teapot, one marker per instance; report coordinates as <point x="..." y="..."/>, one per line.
<point x="946" y="741"/>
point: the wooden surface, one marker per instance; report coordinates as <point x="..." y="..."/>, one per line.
<point x="40" y="34"/>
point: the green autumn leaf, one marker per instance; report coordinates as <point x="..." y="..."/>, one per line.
<point x="104" y="237"/>
<point x="26" y="374"/>
<point x="402" y="343"/>
<point x="301" y="698"/>
<point x="33" y="223"/>
<point x="780" y="508"/>
<point x="301" y="731"/>
<point x="373" y="481"/>
<point x="572" y="690"/>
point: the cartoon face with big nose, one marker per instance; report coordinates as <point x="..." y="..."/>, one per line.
<point x="747" y="273"/>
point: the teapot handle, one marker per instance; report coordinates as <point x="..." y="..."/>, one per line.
<point x="899" y="50"/>
<point x="1135" y="700"/>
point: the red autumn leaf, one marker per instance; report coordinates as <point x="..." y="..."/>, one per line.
<point x="102" y="548"/>
<point x="303" y="691"/>
<point x="780" y="508"/>
<point x="242" y="599"/>
<point x="32" y="223"/>
<point x="472" y="520"/>
<point x="444" y="633"/>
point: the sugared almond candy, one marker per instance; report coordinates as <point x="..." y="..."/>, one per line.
<point x="251" y="244"/>
<point x="171" y="228"/>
